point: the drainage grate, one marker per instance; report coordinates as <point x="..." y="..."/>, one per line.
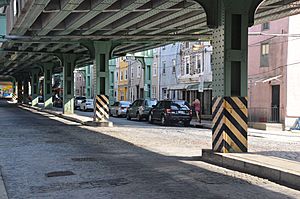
<point x="85" y="159"/>
<point x="59" y="173"/>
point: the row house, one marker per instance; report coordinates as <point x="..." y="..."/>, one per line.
<point x="273" y="71"/>
<point x="184" y="72"/>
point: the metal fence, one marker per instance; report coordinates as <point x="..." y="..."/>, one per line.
<point x="270" y="115"/>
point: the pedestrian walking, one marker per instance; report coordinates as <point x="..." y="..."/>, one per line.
<point x="197" y="107"/>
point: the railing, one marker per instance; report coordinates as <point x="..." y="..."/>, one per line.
<point x="258" y="114"/>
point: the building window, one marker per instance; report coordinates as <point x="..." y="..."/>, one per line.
<point x="117" y="75"/>
<point x="126" y="75"/>
<point x="154" y="69"/>
<point x="264" y="58"/>
<point x="131" y="72"/>
<point x="164" y="68"/>
<point x="111" y="77"/>
<point x="187" y="65"/>
<point x="164" y="93"/>
<point x="199" y="63"/>
<point x="153" y="91"/>
<point x="173" y="66"/>
<point x="139" y="71"/>
<point x="187" y="45"/>
<point x="265" y="26"/>
<point x="121" y="76"/>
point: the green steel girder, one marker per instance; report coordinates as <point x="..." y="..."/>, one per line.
<point x="57" y="18"/>
<point x="131" y="5"/>
<point x="212" y="8"/>
<point x="76" y="22"/>
<point x="125" y="23"/>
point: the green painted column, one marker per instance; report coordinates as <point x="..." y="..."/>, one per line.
<point x="68" y="79"/>
<point x="25" y="91"/>
<point x="48" y="104"/>
<point x="20" y="91"/>
<point x="102" y="50"/>
<point x="88" y="82"/>
<point x="35" y="86"/>
<point x="230" y="77"/>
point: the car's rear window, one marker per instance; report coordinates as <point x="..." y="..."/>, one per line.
<point x="124" y="103"/>
<point x="179" y="105"/>
<point x="150" y="103"/>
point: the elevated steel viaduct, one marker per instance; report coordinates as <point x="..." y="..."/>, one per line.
<point x="44" y="35"/>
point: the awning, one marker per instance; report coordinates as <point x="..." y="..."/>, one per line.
<point x="267" y="79"/>
<point x="177" y="87"/>
<point x="194" y="87"/>
<point x="190" y="87"/>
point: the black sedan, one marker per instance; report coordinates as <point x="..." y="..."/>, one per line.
<point x="175" y="111"/>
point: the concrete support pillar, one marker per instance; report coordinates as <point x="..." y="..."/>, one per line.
<point x="14" y="86"/>
<point x="35" y="86"/>
<point x="20" y="91"/>
<point x="230" y="78"/>
<point x="48" y="104"/>
<point x="68" y="79"/>
<point x="102" y="50"/>
<point x="25" y="91"/>
<point x="101" y="95"/>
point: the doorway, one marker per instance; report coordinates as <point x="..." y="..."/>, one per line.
<point x="275" y="106"/>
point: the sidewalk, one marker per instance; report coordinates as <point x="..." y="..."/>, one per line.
<point x="87" y="118"/>
<point x="281" y="171"/>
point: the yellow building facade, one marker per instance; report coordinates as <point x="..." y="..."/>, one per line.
<point x="123" y="80"/>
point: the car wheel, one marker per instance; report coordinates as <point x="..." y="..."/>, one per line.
<point x="163" y="120"/>
<point x="150" y="119"/>
<point x="128" y="116"/>
<point x="186" y="124"/>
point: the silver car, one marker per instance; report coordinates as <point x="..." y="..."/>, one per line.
<point x="119" y="108"/>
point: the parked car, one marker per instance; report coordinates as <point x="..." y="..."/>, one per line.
<point x="78" y="100"/>
<point x="140" y="108"/>
<point x="167" y="111"/>
<point x="87" y="104"/>
<point x="119" y="108"/>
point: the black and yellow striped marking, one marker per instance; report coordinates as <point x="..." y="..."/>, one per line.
<point x="230" y="124"/>
<point x="101" y="107"/>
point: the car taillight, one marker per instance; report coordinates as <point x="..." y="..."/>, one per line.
<point x="168" y="110"/>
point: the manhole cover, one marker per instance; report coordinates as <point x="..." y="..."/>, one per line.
<point x="85" y="159"/>
<point x="54" y="142"/>
<point x="59" y="173"/>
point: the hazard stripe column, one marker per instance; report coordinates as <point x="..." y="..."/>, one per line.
<point x="101" y="111"/>
<point x="230" y="124"/>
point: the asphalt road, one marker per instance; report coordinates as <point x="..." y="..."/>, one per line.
<point x="46" y="157"/>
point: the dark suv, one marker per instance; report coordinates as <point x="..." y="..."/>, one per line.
<point x="167" y="111"/>
<point x="140" y="108"/>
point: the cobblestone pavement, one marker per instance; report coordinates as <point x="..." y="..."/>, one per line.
<point x="46" y="157"/>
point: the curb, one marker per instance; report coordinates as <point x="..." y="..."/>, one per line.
<point x="3" y="193"/>
<point x="72" y="119"/>
<point x="285" y="178"/>
<point x="51" y="112"/>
